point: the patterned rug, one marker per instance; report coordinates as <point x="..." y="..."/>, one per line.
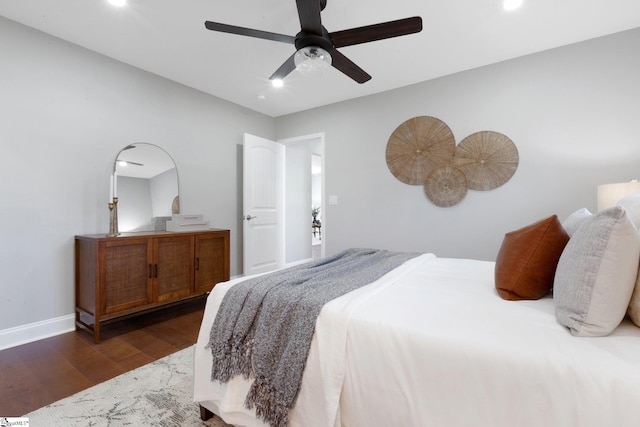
<point x="157" y="394"/>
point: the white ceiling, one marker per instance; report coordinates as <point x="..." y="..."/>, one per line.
<point x="168" y="38"/>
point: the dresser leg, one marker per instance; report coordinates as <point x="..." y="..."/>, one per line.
<point x="96" y="332"/>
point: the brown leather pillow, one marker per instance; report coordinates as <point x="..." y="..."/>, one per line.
<point x="527" y="260"/>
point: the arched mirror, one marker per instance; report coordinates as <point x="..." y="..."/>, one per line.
<point x="147" y="187"/>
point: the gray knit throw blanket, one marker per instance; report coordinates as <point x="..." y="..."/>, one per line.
<point x="264" y="326"/>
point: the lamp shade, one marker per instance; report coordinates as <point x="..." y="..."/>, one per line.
<point x="610" y="194"/>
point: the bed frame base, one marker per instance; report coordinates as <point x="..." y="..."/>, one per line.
<point x="205" y="414"/>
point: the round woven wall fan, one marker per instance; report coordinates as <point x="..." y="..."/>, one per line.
<point x="419" y="146"/>
<point x="446" y="186"/>
<point x="488" y="159"/>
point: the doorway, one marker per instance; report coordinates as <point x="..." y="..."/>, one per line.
<point x="316" y="206"/>
<point x="304" y="194"/>
<point x="278" y="202"/>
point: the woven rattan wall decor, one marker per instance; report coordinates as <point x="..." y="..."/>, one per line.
<point x="423" y="151"/>
<point x="446" y="186"/>
<point x="488" y="159"/>
<point x="419" y="146"/>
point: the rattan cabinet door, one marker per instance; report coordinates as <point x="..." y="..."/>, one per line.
<point x="126" y="284"/>
<point x="212" y="260"/>
<point x="173" y="270"/>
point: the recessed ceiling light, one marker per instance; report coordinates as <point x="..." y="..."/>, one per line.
<point x="277" y="83"/>
<point x="117" y="3"/>
<point x="511" y="4"/>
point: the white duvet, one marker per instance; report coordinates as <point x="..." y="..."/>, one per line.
<point x="432" y="344"/>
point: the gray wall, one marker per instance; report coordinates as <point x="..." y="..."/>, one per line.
<point x="573" y="113"/>
<point x="65" y="112"/>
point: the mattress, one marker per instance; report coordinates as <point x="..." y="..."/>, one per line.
<point x="432" y="344"/>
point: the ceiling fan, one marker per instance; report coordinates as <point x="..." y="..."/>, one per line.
<point x="316" y="46"/>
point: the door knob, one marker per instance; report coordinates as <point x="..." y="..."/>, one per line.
<point x="249" y="217"/>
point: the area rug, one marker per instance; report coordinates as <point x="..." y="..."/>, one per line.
<point x="157" y="394"/>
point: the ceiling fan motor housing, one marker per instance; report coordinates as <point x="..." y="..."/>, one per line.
<point x="323" y="41"/>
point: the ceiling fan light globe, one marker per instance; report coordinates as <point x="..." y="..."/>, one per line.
<point x="312" y="60"/>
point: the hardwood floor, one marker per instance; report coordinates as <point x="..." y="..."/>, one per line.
<point x="39" y="373"/>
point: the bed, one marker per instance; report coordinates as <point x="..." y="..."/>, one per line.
<point x="432" y="343"/>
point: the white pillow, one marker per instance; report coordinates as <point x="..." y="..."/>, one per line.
<point x="596" y="274"/>
<point x="574" y="220"/>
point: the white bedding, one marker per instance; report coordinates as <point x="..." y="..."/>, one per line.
<point x="432" y="344"/>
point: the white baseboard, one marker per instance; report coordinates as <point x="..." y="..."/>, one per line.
<point x="24" y="334"/>
<point x="294" y="263"/>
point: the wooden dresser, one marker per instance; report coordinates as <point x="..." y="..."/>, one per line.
<point x="135" y="273"/>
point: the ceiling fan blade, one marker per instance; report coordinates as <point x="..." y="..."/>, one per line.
<point x="232" y="29"/>
<point x="309" y="14"/>
<point x="344" y="64"/>
<point x="288" y="66"/>
<point x="375" y="32"/>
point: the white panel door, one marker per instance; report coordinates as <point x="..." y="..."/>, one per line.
<point x="263" y="199"/>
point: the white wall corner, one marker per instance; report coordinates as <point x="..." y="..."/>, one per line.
<point x="24" y="334"/>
